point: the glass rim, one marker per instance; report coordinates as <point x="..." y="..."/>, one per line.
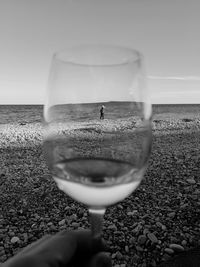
<point x="134" y="55"/>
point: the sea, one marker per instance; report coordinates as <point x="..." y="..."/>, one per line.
<point x="24" y="114"/>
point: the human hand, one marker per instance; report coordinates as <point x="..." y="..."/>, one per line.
<point x="65" y="249"/>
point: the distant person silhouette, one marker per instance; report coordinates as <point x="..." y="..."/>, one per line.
<point x="102" y="112"/>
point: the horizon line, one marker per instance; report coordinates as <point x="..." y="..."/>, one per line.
<point x="39" y="104"/>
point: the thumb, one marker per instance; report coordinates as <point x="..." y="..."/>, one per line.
<point x="100" y="259"/>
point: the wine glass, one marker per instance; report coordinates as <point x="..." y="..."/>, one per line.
<point x="98" y="125"/>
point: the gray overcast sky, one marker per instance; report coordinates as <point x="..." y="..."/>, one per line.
<point x="166" y="32"/>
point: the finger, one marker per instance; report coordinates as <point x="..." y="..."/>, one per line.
<point x="65" y="247"/>
<point x="35" y="244"/>
<point x="48" y="251"/>
<point x="84" y="249"/>
<point x="85" y="241"/>
<point x="100" y="260"/>
<point x="57" y="250"/>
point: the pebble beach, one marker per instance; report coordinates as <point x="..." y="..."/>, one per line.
<point x="158" y="221"/>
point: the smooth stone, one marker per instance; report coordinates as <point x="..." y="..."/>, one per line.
<point x="138" y="248"/>
<point x="169" y="251"/>
<point x="132" y="240"/>
<point x="2" y="251"/>
<point x="119" y="255"/>
<point x="127" y="249"/>
<point x="142" y="239"/>
<point x="166" y="257"/>
<point x="152" y="237"/>
<point x="164" y="227"/>
<point x="73" y="217"/>
<point x="184" y="243"/>
<point x="113" y="255"/>
<point x="25" y="237"/>
<point x="191" y="181"/>
<point x="3" y="258"/>
<point x="62" y="222"/>
<point x="14" y="239"/>
<point x="131" y="213"/>
<point x="171" y="214"/>
<point x="112" y="227"/>
<point x="146" y="231"/>
<point x="75" y="224"/>
<point x="159" y="224"/>
<point x="176" y="247"/>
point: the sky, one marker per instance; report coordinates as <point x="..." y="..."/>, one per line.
<point x="166" y="32"/>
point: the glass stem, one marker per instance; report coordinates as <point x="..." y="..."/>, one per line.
<point x="96" y="220"/>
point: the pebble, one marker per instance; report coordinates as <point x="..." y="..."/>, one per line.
<point x="152" y="237"/>
<point x="176" y="247"/>
<point x="2" y="251"/>
<point x="14" y="239"/>
<point x="166" y="257"/>
<point x="53" y="227"/>
<point x="169" y="251"/>
<point x="42" y="225"/>
<point x="173" y="240"/>
<point x="138" y="248"/>
<point x="75" y="224"/>
<point x="191" y="181"/>
<point x="67" y="208"/>
<point x="145" y="231"/>
<point x="137" y="229"/>
<point x="3" y="258"/>
<point x="62" y="222"/>
<point x="73" y="217"/>
<point x="171" y="214"/>
<point x="142" y="239"/>
<point x="62" y="227"/>
<point x="183" y="206"/>
<point x="127" y="249"/>
<point x="184" y="243"/>
<point x="2" y="231"/>
<point x="135" y="258"/>
<point x="153" y="263"/>
<point x="11" y="211"/>
<point x="132" y="240"/>
<point x="25" y="237"/>
<point x="131" y="213"/>
<point x="113" y="255"/>
<point x="159" y="224"/>
<point x="85" y="214"/>
<point x="119" y="255"/>
<point x="11" y="234"/>
<point x="112" y="227"/>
